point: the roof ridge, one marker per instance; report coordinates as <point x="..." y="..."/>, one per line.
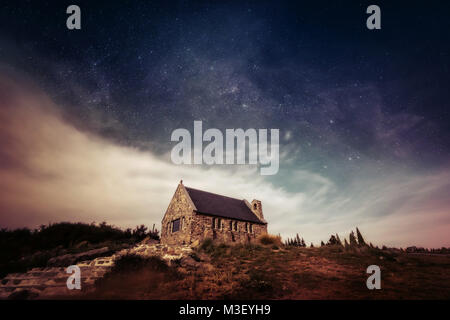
<point x="216" y="194"/>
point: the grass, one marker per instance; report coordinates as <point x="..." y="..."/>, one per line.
<point x="268" y="239"/>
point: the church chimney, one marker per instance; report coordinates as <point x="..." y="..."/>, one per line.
<point x="257" y="209"/>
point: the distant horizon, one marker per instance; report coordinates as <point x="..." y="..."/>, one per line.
<point x="149" y="226"/>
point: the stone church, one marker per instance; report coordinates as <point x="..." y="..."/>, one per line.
<point x="194" y="215"/>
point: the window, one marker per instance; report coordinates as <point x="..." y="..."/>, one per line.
<point x="235" y="226"/>
<point x="231" y="225"/>
<point x="183" y="224"/>
<point x="176" y="225"/>
<point x="255" y="206"/>
<point x="246" y="227"/>
<point x="251" y="228"/>
<point x="213" y="225"/>
<point x="219" y="224"/>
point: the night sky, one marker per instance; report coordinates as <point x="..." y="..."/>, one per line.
<point x="364" y="117"/>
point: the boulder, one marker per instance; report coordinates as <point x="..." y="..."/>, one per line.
<point x="189" y="263"/>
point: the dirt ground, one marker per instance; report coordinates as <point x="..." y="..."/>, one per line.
<point x="269" y="272"/>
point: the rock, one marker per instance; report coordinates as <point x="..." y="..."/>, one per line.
<point x="70" y="259"/>
<point x="189" y="263"/>
<point x="195" y="244"/>
<point x="149" y="240"/>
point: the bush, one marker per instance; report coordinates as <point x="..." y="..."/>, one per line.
<point x="268" y="239"/>
<point x="207" y="245"/>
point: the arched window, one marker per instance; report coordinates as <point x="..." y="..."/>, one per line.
<point x="219" y="224"/>
<point x="246" y="227"/>
<point x="255" y="206"/>
<point x="251" y="228"/>
<point x="235" y="226"/>
<point x="231" y="225"/>
<point x="213" y="225"/>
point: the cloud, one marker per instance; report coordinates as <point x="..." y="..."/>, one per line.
<point x="52" y="171"/>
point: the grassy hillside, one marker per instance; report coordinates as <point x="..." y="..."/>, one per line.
<point x="22" y="249"/>
<point x="271" y="271"/>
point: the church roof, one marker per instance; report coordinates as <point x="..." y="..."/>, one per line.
<point x="216" y="205"/>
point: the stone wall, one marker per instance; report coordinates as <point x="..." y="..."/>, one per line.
<point x="202" y="228"/>
<point x="180" y="207"/>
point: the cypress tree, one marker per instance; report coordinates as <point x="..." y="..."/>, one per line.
<point x="298" y="242"/>
<point x="361" y="241"/>
<point x="338" y="240"/>
<point x="352" y="239"/>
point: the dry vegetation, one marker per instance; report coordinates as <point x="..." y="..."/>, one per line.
<point x="273" y="271"/>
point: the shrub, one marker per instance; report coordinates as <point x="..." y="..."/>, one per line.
<point x="132" y="262"/>
<point x="268" y="239"/>
<point x="207" y="245"/>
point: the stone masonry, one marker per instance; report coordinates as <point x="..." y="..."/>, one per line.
<point x="194" y="215"/>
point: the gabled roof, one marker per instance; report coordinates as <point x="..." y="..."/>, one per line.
<point x="216" y="205"/>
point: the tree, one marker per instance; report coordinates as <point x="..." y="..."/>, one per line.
<point x="140" y="232"/>
<point x="352" y="239"/>
<point x="311" y="246"/>
<point x="332" y="241"/>
<point x="345" y="243"/>
<point x="361" y="241"/>
<point x="322" y="244"/>
<point x="338" y="240"/>
<point x="298" y="242"/>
